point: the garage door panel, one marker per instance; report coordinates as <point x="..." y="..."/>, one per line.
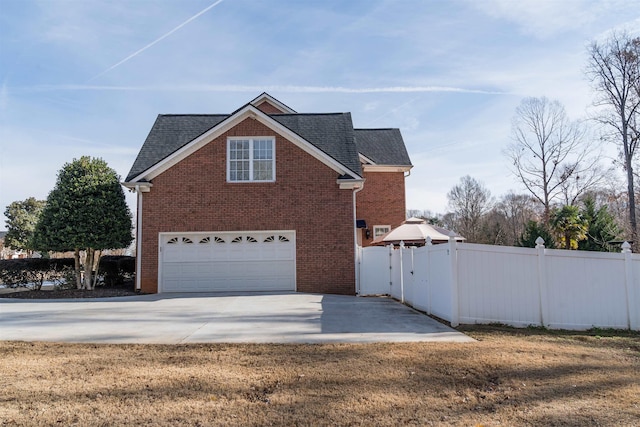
<point x="230" y="270"/>
<point x="232" y="261"/>
<point x="204" y="253"/>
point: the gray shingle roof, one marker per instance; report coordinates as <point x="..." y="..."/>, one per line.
<point x="383" y="146"/>
<point x="331" y="133"/>
<point x="169" y="133"/>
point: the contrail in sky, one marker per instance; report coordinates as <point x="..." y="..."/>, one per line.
<point x="393" y="110"/>
<point x="205" y="10"/>
<point x="268" y="88"/>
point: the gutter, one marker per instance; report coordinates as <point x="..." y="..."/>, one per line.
<point x="138" y="239"/>
<point x="355" y="238"/>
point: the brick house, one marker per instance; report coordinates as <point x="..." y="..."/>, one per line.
<point x="263" y="198"/>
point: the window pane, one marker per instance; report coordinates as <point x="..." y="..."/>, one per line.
<point x="379" y="231"/>
<point x="238" y="170"/>
<point x="262" y="170"/>
<point x="262" y="149"/>
<point x="239" y="149"/>
<point x="243" y="167"/>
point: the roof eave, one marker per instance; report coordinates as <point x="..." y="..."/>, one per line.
<point x="137" y="187"/>
<point x="365" y="160"/>
<point x="386" y="168"/>
<point x="350" y="184"/>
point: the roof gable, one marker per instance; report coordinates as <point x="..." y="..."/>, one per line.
<point x="173" y="137"/>
<point x="265" y="97"/>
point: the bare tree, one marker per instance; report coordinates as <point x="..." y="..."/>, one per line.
<point x="517" y="209"/>
<point x="469" y="200"/>
<point x="579" y="181"/>
<point x="429" y="216"/>
<point x="505" y="223"/>
<point x="614" y="69"/>
<point x="549" y="152"/>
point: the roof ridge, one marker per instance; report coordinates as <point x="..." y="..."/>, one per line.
<point x="309" y="114"/>
<point x="376" y="128"/>
<point x="274" y="114"/>
<point x="192" y="114"/>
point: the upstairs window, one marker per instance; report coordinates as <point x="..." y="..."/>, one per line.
<point x="251" y="159"/>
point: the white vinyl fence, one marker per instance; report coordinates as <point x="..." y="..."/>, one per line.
<point x="466" y="283"/>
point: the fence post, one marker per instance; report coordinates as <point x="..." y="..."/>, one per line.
<point x="390" y="247"/>
<point x="429" y="245"/>
<point x="542" y="283"/>
<point x="632" y="311"/>
<point x="412" y="278"/>
<point x="401" y="273"/>
<point x="453" y="256"/>
<point x="358" y="268"/>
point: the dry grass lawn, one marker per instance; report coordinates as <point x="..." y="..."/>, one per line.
<point x="508" y="378"/>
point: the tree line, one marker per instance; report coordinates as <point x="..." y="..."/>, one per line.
<point x="570" y="198"/>
<point x="85" y="213"/>
<point x="518" y="219"/>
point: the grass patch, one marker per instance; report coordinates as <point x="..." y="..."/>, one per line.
<point x="509" y="377"/>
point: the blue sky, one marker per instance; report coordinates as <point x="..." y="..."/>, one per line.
<point x="88" y="77"/>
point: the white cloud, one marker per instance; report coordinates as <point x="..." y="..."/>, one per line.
<point x="545" y="18"/>
<point x="371" y="106"/>
<point x="632" y="27"/>
<point x="4" y="96"/>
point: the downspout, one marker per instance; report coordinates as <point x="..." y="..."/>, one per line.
<point x="138" y="239"/>
<point x="355" y="239"/>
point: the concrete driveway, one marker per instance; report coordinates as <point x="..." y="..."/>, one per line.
<point x="229" y="318"/>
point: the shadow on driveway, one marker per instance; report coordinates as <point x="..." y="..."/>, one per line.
<point x="221" y="317"/>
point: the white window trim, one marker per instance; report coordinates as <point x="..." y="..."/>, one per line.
<point x="251" y="140"/>
<point x="386" y="227"/>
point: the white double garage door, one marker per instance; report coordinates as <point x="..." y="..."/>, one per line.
<point x="227" y="261"/>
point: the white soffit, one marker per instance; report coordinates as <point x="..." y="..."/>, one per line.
<point x="364" y="159"/>
<point x="385" y="168"/>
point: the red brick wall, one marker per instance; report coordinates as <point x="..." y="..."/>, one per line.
<point x="194" y="196"/>
<point x="268" y="108"/>
<point x="381" y="201"/>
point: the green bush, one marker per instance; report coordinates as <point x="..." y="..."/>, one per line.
<point x="33" y="272"/>
<point x="66" y="279"/>
<point x="116" y="270"/>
